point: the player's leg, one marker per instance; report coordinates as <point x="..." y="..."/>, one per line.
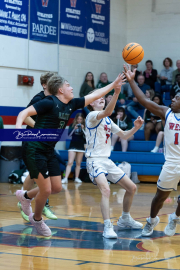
<point x="149" y="127"/>
<point x="40" y="200"/>
<point x="105" y="192"/>
<point x="56" y="186"/>
<point x="156" y="205"/>
<point x="126" y="221"/>
<point x="173" y="220"/>
<point x="28" y="183"/>
<point x="79" y="157"/>
<point x="71" y="158"/>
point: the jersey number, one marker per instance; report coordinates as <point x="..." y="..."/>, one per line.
<point x="176" y="141"/>
<point x="61" y="125"/>
<point x="107" y="137"/>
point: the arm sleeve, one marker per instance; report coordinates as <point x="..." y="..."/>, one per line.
<point x="91" y="119"/>
<point x="78" y="103"/>
<point x="43" y="106"/>
<point x="114" y="128"/>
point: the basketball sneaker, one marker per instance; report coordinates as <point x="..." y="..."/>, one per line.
<point x="148" y="228"/>
<point x="48" y="212"/>
<point x="64" y="180"/>
<point x="25" y="203"/>
<point x="171" y="227"/>
<point x="109" y="231"/>
<point x="128" y="223"/>
<point x="40" y="226"/>
<point x="77" y="180"/>
<point x="24" y="216"/>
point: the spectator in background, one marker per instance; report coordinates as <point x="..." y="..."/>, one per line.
<point x="86" y="88"/>
<point x="125" y="123"/>
<point x="159" y="139"/>
<point x="134" y="105"/>
<point x="88" y="85"/>
<point x="103" y="81"/>
<point x="149" y="94"/>
<point x="137" y="71"/>
<point x="150" y="74"/>
<point x="76" y="148"/>
<point x="175" y="72"/>
<point x="165" y="77"/>
<point x="176" y="87"/>
<point x="153" y="122"/>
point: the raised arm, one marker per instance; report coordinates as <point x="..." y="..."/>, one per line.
<point x="110" y="107"/>
<point x="23" y="115"/>
<point x="127" y="134"/>
<point x="103" y="91"/>
<point x="148" y="104"/>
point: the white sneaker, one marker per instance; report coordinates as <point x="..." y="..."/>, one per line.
<point x="155" y="149"/>
<point x="171" y="227"/>
<point x="64" y="180"/>
<point x="148" y="228"/>
<point x="128" y="223"/>
<point x="77" y="180"/>
<point x="109" y="231"/>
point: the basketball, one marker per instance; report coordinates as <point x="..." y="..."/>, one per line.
<point x="133" y="53"/>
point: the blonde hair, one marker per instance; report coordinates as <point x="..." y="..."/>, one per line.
<point x="54" y="83"/>
<point x="76" y="117"/>
<point x="151" y="92"/>
<point x="45" y="77"/>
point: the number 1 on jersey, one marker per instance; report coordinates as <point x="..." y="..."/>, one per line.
<point x="176" y="141"/>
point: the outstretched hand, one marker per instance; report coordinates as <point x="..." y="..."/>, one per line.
<point x="120" y="80"/>
<point x="138" y="122"/>
<point x="128" y="73"/>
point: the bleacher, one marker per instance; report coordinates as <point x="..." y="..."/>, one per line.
<point x="148" y="165"/>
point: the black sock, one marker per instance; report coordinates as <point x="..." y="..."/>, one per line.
<point x="36" y="219"/>
<point x="26" y="196"/>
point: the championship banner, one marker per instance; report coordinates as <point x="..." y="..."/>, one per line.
<point x="98" y="25"/>
<point x="44" y="20"/>
<point x="73" y="23"/>
<point x="14" y="18"/>
<point x="8" y="135"/>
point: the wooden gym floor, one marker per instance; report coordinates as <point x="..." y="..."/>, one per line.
<point x="77" y="241"/>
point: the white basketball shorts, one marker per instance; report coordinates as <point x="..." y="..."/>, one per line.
<point x="169" y="177"/>
<point x="97" y="166"/>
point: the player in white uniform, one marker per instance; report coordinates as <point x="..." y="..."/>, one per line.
<point x="170" y="174"/>
<point x="100" y="168"/>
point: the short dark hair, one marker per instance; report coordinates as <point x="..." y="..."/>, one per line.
<point x="149" y="61"/>
<point x="177" y="75"/>
<point x="54" y="83"/>
<point x="45" y="77"/>
<point x="170" y="61"/>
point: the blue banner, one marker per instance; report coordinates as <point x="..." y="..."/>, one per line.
<point x="73" y="23"/>
<point x="14" y="18"/>
<point x="44" y="20"/>
<point x="98" y="25"/>
<point x="8" y="135"/>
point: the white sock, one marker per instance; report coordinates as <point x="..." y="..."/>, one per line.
<point x="152" y="220"/>
<point x="125" y="215"/>
<point x="107" y="222"/>
<point x="65" y="178"/>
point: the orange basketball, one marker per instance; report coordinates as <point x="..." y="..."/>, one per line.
<point x="133" y="53"/>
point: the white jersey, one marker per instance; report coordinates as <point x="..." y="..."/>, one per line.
<point x="98" y="135"/>
<point x="172" y="137"/>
